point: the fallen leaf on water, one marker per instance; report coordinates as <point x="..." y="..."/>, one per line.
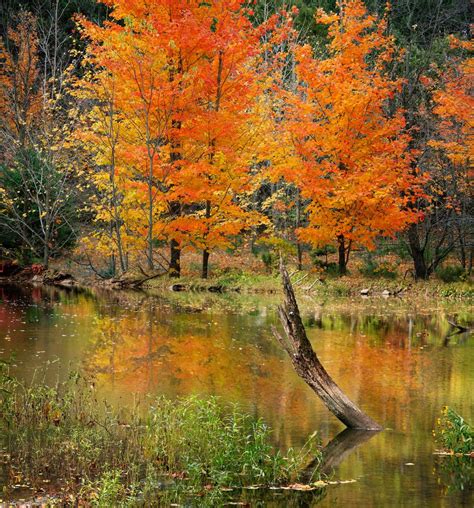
<point x="299" y="486"/>
<point x="320" y="483"/>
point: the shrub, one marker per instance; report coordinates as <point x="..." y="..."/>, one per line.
<point x="215" y="445"/>
<point x="451" y="273"/>
<point x="372" y="268"/>
<point x="319" y="252"/>
<point x="269" y="260"/>
<point x="453" y="433"/>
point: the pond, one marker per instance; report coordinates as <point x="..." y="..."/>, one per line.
<point x="394" y="358"/>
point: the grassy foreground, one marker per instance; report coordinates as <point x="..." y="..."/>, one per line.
<point x="64" y="443"/>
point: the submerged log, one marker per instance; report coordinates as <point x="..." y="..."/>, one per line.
<point x="308" y="366"/>
<point x="458" y="327"/>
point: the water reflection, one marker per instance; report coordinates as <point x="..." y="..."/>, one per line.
<point x="389" y="356"/>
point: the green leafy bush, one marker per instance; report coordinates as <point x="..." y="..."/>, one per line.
<point x="453" y="433"/>
<point x="451" y="273"/>
<point x="269" y="260"/>
<point x="319" y="256"/>
<point x="372" y="268"/>
<point x="215" y="445"/>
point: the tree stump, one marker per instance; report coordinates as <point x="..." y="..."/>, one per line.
<point x="308" y="366"/>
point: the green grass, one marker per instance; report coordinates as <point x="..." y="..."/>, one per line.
<point x="66" y="441"/>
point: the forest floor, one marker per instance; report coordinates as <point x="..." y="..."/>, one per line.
<point x="247" y="273"/>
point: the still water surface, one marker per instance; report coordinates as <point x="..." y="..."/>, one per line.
<point x="392" y="357"/>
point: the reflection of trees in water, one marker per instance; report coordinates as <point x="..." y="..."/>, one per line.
<point x="148" y="348"/>
<point x="399" y="329"/>
<point x="337" y="450"/>
<point x="147" y="345"/>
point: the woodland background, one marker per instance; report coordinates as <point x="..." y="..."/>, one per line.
<point x="129" y="135"/>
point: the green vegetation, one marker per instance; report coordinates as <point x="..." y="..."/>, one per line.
<point x="452" y="273"/>
<point x="453" y="433"/>
<point x="68" y="439"/>
<point x="456" y="438"/>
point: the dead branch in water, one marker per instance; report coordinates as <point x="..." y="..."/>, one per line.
<point x="308" y="366"/>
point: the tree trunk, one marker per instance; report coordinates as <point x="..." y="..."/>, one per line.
<point x="308" y="366"/>
<point x="206" y="253"/>
<point x="175" y="259"/>
<point x="205" y="263"/>
<point x="46" y="253"/>
<point x="299" y="253"/>
<point x="417" y="253"/>
<point x="342" y="255"/>
<point x="175" y="249"/>
<point x="299" y="250"/>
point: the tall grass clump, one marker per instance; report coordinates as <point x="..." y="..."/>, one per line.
<point x="66" y="441"/>
<point x="218" y="445"/>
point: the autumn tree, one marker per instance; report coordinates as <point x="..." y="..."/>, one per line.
<point x="112" y="204"/>
<point x="428" y="69"/>
<point x="38" y="172"/>
<point x="453" y="107"/>
<point x="187" y="89"/>
<point x="226" y="130"/>
<point x="151" y="54"/>
<point x="352" y="156"/>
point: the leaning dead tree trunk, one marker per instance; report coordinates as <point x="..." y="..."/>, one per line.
<point x="308" y="366"/>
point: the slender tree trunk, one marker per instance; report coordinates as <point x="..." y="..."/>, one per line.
<point x="116" y="223"/>
<point x="462" y="248"/>
<point x="175" y="206"/>
<point x="46" y="252"/>
<point x="112" y="265"/>
<point x="299" y="251"/>
<point x="342" y="255"/>
<point x="175" y="249"/>
<point x="212" y="146"/>
<point x="205" y="263"/>
<point x="206" y="253"/>
<point x="308" y="366"/>
<point x="150" y="225"/>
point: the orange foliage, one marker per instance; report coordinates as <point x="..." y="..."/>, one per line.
<point x="454" y="106"/>
<point x="20" y="99"/>
<point x="350" y="154"/>
<point x="185" y="93"/>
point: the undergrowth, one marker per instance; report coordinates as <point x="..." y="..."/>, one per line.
<point x="66" y="441"/>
